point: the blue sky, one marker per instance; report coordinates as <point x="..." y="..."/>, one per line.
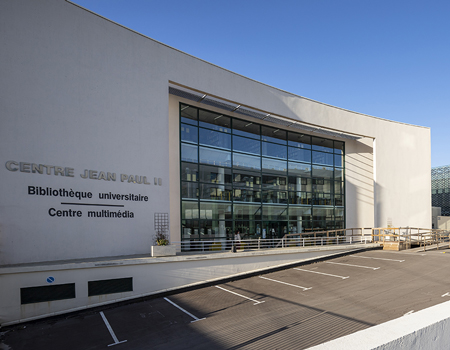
<point x="389" y="59"/>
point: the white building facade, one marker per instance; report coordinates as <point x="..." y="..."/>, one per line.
<point x="104" y="131"/>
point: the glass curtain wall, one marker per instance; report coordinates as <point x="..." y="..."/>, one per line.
<point x="263" y="181"/>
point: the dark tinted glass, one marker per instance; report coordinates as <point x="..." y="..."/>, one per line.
<point x="245" y="128"/>
<point x="189" y="172"/>
<point x="189" y="153"/>
<point x="215" y="157"/>
<point x="243" y="144"/>
<point x="246" y="161"/>
<point x="274" y="182"/>
<point x="246" y="179"/>
<point x="324" y="172"/>
<point x="214" y="139"/>
<point x="189" y="133"/>
<point x="213" y="174"/>
<point x="322" y="158"/>
<point x="338" y="147"/>
<point x="274" y="150"/>
<point x="323" y="145"/>
<point x="298" y="154"/>
<point x="188" y="114"/>
<point x="273" y="135"/>
<point x="189" y="190"/>
<point x="214" y="121"/>
<point x="298" y="183"/>
<point x="299" y="169"/>
<point x="299" y="140"/>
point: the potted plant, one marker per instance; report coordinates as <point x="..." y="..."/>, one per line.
<point x="162" y="245"/>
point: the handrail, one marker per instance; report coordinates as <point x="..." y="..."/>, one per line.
<point x="256" y="244"/>
<point x="409" y="235"/>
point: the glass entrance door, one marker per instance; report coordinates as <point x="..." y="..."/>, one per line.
<point x="275" y="229"/>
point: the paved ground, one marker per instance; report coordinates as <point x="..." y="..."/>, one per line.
<point x="290" y="309"/>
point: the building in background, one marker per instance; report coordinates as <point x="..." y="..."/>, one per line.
<point x="440" y="197"/>
<point x="440" y="189"/>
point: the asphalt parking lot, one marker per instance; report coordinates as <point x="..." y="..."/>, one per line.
<point x="294" y="308"/>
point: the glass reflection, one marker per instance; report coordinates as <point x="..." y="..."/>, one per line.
<point x="215" y="192"/>
<point x="247" y="211"/>
<point x="324" y="172"/>
<point x="246" y="161"/>
<point x="214" y="121"/>
<point x="214" y="139"/>
<point x="301" y="155"/>
<point x="274" y="150"/>
<point x="188" y="114"/>
<point x="189" y="172"/>
<point x="214" y="174"/>
<point x="274" y="197"/>
<point x="298" y="183"/>
<point x="322" y="158"/>
<point x="300" y="169"/>
<point x="189" y="133"/>
<point x="273" y="135"/>
<point x="245" y="178"/>
<point x="189" y="153"/>
<point x="246" y="195"/>
<point x="215" y="156"/>
<point x="323" y="145"/>
<point x="235" y="174"/>
<point x="273" y="165"/>
<point x="245" y="145"/>
<point x="246" y="128"/>
<point x="215" y="211"/>
<point x="189" y="190"/>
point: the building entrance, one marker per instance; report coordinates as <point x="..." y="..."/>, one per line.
<point x="275" y="229"/>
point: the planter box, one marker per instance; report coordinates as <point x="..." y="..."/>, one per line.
<point x="164" y="250"/>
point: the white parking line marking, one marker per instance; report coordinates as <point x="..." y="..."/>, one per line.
<point x="409" y="313"/>
<point x="292" y="285"/>
<point x="229" y="291"/>
<point x="321" y="273"/>
<point x="416" y="254"/>
<point x="445" y="295"/>
<point x="116" y="341"/>
<point x="369" y="257"/>
<point x="364" y="267"/>
<point x="179" y="307"/>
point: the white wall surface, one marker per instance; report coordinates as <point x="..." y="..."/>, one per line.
<point x="80" y="91"/>
<point x="427" y="329"/>
<point x="76" y="93"/>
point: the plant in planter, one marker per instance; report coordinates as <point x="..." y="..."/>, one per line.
<point x="161" y="238"/>
<point x="162" y="245"/>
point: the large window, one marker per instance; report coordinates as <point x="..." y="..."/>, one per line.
<point x="263" y="181"/>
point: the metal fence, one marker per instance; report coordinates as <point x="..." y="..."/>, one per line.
<point x="256" y="244"/>
<point x="411" y="236"/>
<point x="408" y="236"/>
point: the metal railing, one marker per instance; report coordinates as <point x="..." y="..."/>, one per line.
<point x="411" y="236"/>
<point x="322" y="238"/>
<point x="406" y="236"/>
